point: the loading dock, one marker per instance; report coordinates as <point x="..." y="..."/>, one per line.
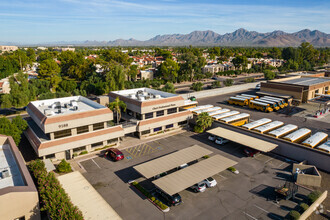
<point x="182" y="179"/>
<point x="243" y="139"/>
<point x="171" y="161"/>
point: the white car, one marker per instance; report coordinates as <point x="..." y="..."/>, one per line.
<point x="183" y="166"/>
<point x="210" y="182"/>
<point x="199" y="187"/>
<point x="221" y="141"/>
<point x="211" y="138"/>
<point x="258" y="87"/>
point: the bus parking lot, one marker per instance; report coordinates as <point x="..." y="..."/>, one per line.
<point x="248" y="195"/>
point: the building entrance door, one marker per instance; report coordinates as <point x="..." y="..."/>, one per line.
<point x="67" y="155"/>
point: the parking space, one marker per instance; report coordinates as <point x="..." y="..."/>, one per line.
<point x="248" y="195"/>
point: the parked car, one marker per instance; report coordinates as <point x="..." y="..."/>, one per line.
<point x="214" y="78"/>
<point x="221" y="141"/>
<point x="192" y="98"/>
<point x="199" y="187"/>
<point x="212" y="138"/>
<point x="258" y="87"/>
<point x="160" y="175"/>
<point x="114" y="154"/>
<point x="182" y="166"/>
<point x="168" y="199"/>
<point x="251" y="152"/>
<point x="210" y="182"/>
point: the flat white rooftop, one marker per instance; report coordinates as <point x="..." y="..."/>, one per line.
<point x="144" y="94"/>
<point x="9" y="171"/>
<point x="65" y="106"/>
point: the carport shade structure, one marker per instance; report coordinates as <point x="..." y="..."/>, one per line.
<point x="171" y="161"/>
<point x="182" y="179"/>
<point x="243" y="139"/>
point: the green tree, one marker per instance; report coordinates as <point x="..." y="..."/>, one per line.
<point x="216" y="84"/>
<point x="21" y="91"/>
<point x="63" y="167"/>
<point x="50" y="71"/>
<point x="68" y="85"/>
<point x="204" y="121"/>
<point x="115" y="78"/>
<point x="117" y="106"/>
<point x="14" y="128"/>
<point x="189" y="62"/>
<point x="20" y="123"/>
<point x="169" y="87"/>
<point x="269" y="75"/>
<point x="30" y="53"/>
<point x="132" y="72"/>
<point x="6" y="101"/>
<point x="197" y="86"/>
<point x="240" y="61"/>
<point x="169" y="70"/>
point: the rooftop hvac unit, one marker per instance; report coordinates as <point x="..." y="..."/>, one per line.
<point x="5" y="174"/>
<point x="48" y="112"/>
<point x="74" y="104"/>
<point x="139" y="92"/>
<point x="141" y="98"/>
<point x="59" y="111"/>
<point x="65" y="105"/>
<point x="157" y="96"/>
<point x="75" y="108"/>
<point x="58" y="105"/>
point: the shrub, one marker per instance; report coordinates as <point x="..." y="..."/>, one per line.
<point x="269" y="75"/>
<point x="294" y="215"/>
<point x="198" y="129"/>
<point x="303" y="207"/>
<point x="228" y="82"/>
<point x="216" y="84"/>
<point x="232" y="169"/>
<point x="313" y="196"/>
<point x="249" y="80"/>
<point x="147" y="194"/>
<point x="197" y="86"/>
<point x="53" y="198"/>
<point x="63" y="167"/>
<point x="83" y="152"/>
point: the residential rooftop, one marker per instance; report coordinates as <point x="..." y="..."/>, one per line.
<point x="10" y="174"/>
<point x="144" y="94"/>
<point x="306" y="81"/>
<point x="65" y="106"/>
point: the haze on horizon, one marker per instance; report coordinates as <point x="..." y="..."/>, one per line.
<point x="37" y="21"/>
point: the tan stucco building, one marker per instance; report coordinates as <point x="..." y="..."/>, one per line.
<point x="4" y="48"/>
<point x="64" y="127"/>
<point x="18" y="194"/>
<point x="300" y="88"/>
<point x="155" y="111"/>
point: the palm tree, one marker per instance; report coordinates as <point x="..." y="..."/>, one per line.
<point x="204" y="121"/>
<point x="117" y="106"/>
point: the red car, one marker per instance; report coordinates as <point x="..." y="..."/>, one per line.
<point x="251" y="152"/>
<point x="114" y="154"/>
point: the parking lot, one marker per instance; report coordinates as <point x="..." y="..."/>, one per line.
<point x="248" y="195"/>
<point x="300" y="115"/>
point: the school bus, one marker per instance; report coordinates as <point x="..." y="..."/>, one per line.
<point x="237" y="120"/>
<point x="278" y="102"/>
<point x="238" y="101"/>
<point x="244" y="97"/>
<point x="299" y="135"/>
<point x="268" y="127"/>
<point x="273" y="104"/>
<point x="257" y="123"/>
<point x="285" y="103"/>
<point x="282" y="131"/>
<point x="226" y="114"/>
<point x="324" y="147"/>
<point x="207" y="110"/>
<point x="200" y="107"/>
<point x="252" y="96"/>
<point x="315" y="139"/>
<point x="217" y="112"/>
<point x="189" y="104"/>
<point x="265" y="107"/>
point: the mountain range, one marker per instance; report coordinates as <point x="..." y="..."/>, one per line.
<point x="240" y="37"/>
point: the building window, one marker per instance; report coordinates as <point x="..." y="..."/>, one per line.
<point x="79" y="149"/>
<point x="50" y="156"/>
<point x="129" y="112"/>
<point x="64" y="133"/>
<point x="160" y="113"/>
<point x="138" y="116"/>
<point x="171" y="110"/>
<point x="145" y="132"/>
<point x="181" y="123"/>
<point x="111" y="141"/>
<point x="98" y="126"/>
<point x="149" y="115"/>
<point x="97" y="144"/>
<point x="157" y="129"/>
<point x="20" y="218"/>
<point x="82" y="129"/>
<point x="169" y="126"/>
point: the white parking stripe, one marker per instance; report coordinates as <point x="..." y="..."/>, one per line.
<point x="250" y="216"/>
<point x="269" y="160"/>
<point x="261" y="208"/>
<point x="96" y="164"/>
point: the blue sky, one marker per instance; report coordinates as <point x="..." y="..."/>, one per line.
<point x="37" y="21"/>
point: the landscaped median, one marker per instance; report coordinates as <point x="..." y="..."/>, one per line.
<point x="161" y="206"/>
